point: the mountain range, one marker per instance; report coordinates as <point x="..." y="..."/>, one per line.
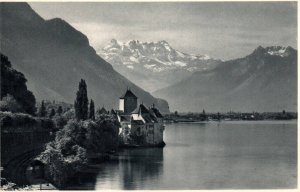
<point x="265" y="80"/>
<point x="153" y="65"/>
<point x="54" y="57"/>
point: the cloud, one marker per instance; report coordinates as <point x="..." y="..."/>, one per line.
<point x="223" y="30"/>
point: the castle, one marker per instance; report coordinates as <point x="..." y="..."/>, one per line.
<point x="140" y="126"/>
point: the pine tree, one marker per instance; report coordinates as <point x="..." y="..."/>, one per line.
<point x="52" y="113"/>
<point x="42" y="111"/>
<point x="92" y="110"/>
<point x="81" y="102"/>
<point x="59" y="110"/>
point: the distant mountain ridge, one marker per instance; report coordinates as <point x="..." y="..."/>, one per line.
<point x="265" y="80"/>
<point x="54" y="57"/>
<point x="153" y="65"/>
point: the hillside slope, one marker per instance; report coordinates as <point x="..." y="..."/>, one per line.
<point x="54" y="57"/>
<point x="265" y="80"/>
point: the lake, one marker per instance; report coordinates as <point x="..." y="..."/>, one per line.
<point x="212" y="155"/>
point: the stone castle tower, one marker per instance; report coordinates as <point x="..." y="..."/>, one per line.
<point x="128" y="102"/>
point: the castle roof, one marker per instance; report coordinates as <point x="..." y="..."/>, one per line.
<point x="113" y="112"/>
<point x="148" y="115"/>
<point x="125" y="118"/>
<point x="140" y="109"/>
<point x="157" y="112"/>
<point x="128" y="94"/>
<point x="102" y="110"/>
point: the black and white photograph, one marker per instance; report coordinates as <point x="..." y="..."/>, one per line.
<point x="149" y="95"/>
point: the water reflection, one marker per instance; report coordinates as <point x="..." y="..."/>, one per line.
<point x="140" y="165"/>
<point x="234" y="155"/>
<point x="135" y="167"/>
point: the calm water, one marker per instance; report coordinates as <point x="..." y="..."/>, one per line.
<point x="226" y="155"/>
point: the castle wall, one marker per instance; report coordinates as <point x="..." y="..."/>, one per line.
<point x="125" y="132"/>
<point x="152" y="132"/>
<point x="121" y="105"/>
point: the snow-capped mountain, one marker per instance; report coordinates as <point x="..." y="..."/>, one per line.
<point x="265" y="80"/>
<point x="153" y="65"/>
<point x="279" y="51"/>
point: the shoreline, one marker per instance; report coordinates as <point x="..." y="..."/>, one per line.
<point x="233" y="120"/>
<point x="129" y="146"/>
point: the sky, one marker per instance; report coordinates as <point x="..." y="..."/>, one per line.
<point x="223" y="30"/>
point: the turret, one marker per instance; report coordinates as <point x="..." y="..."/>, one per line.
<point x="128" y="102"/>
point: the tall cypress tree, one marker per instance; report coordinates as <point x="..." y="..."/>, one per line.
<point x="42" y="111"/>
<point x="92" y="110"/>
<point x="52" y="113"/>
<point x="59" y="110"/>
<point x="81" y="102"/>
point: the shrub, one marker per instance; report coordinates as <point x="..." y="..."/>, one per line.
<point x="14" y="83"/>
<point x="59" y="121"/>
<point x="9" y="103"/>
<point x="70" y="114"/>
<point x="21" y="120"/>
<point x="109" y="128"/>
<point x="9" y="119"/>
<point x="60" y="166"/>
<point x="67" y="154"/>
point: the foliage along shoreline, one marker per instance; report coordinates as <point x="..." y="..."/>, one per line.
<point x="84" y="135"/>
<point x="79" y="131"/>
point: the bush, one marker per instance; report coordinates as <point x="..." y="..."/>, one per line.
<point x="59" y="121"/>
<point x="73" y="130"/>
<point x="46" y="123"/>
<point x="70" y="114"/>
<point x="68" y="153"/>
<point x="109" y="129"/>
<point x="60" y="166"/>
<point x="9" y="119"/>
<point x="21" y="120"/>
<point x="57" y="170"/>
<point x="9" y="103"/>
<point x="6" y="121"/>
<point x="14" y="83"/>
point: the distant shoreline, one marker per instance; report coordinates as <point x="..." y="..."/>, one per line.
<point x="232" y="121"/>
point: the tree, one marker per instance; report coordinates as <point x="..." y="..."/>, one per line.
<point x="81" y="102"/>
<point x="14" y="83"/>
<point x="204" y="115"/>
<point x="92" y="110"/>
<point x="69" y="114"/>
<point x="9" y="103"/>
<point x="60" y="166"/>
<point x="52" y="113"/>
<point x="67" y="154"/>
<point x="219" y="116"/>
<point x="59" y="110"/>
<point x="42" y="111"/>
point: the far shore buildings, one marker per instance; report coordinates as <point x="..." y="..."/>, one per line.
<point x="140" y="125"/>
